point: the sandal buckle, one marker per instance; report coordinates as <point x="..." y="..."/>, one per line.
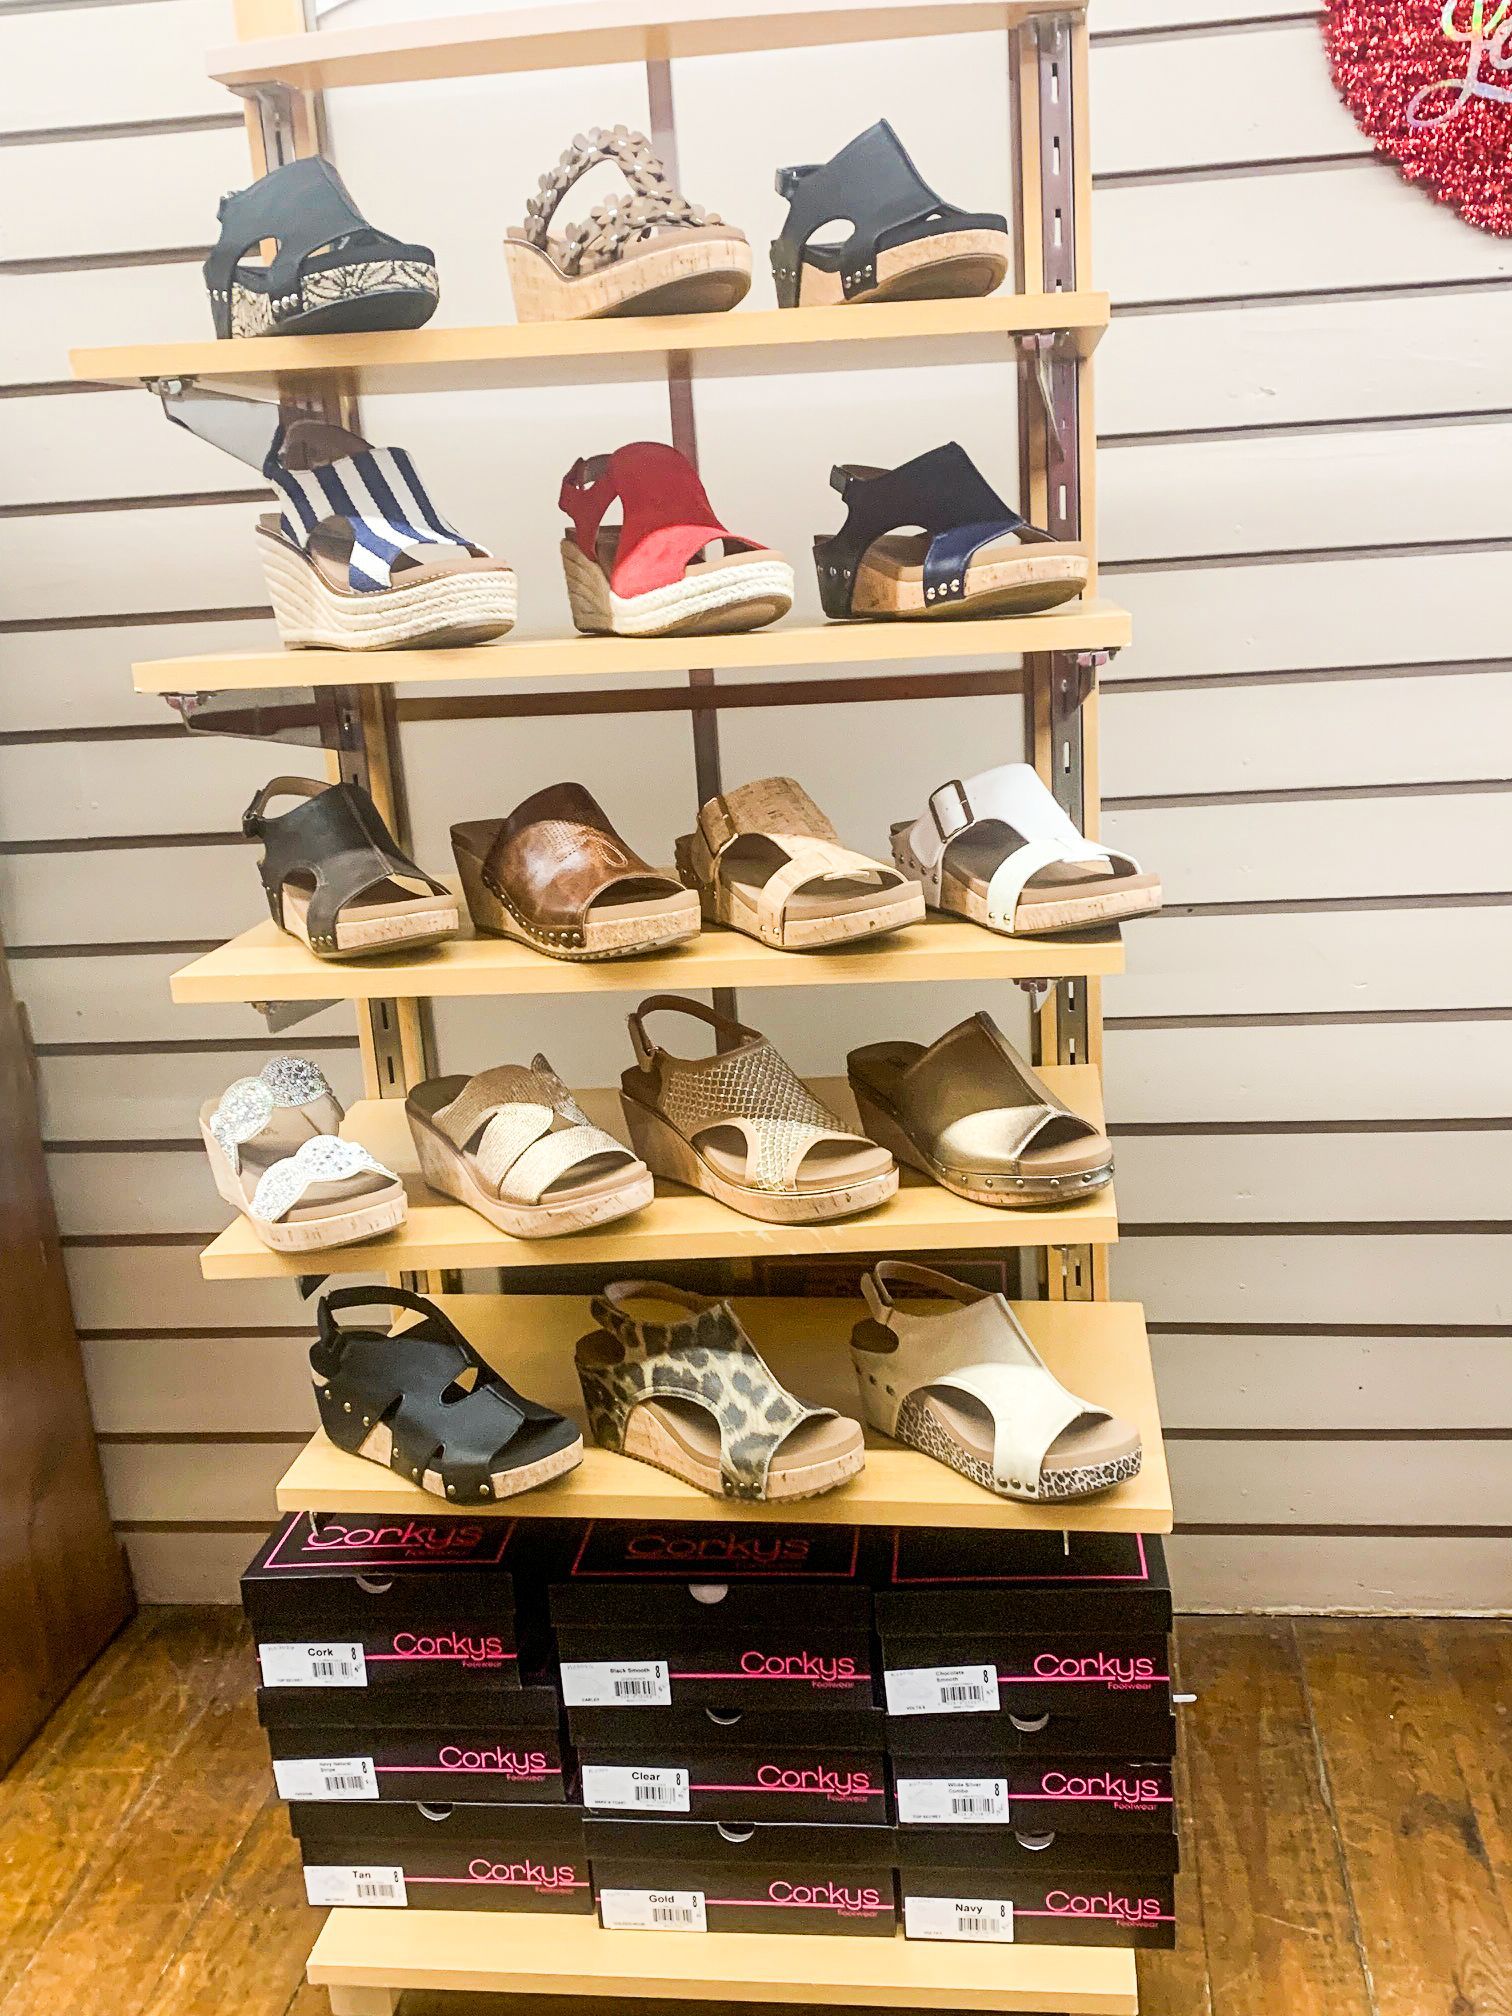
<point x="966" y="818"/>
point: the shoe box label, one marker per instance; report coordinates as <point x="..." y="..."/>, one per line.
<point x="337" y="1543"/>
<point x="616" y="1683"/>
<point x="325" y="1777"/>
<point x="981" y="1918"/>
<point x="953" y="1801"/>
<point x="370" y="1883"/>
<point x="941" y="1690"/>
<point x="636" y="1788"/>
<point x="653" y="1910"/>
<point x="621" y="1550"/>
<point x="331" y="1664"/>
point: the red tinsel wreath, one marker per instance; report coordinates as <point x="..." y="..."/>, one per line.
<point x="1419" y="75"/>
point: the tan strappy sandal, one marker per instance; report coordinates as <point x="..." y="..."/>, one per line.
<point x="673" y="1380"/>
<point x="650" y="252"/>
<point x="516" y="1146"/>
<point x="741" y="1127"/>
<point x="766" y="860"/>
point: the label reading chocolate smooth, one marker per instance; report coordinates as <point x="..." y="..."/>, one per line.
<point x="953" y="1801"/>
<point x="325" y="1777"/>
<point x="627" y="1683"/>
<point x="349" y="1883"/>
<point x="653" y="1910"/>
<point x="314" y="1665"/>
<point x="988" y="1918"/>
<point x="631" y="1788"/>
<point x="942" y="1690"/>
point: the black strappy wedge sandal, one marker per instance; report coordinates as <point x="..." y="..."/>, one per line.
<point x="905" y="244"/>
<point x="424" y="1404"/>
<point x="332" y="272"/>
<point x="334" y="877"/>
<point x="974" y="557"/>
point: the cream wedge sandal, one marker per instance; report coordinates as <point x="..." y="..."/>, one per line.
<point x="276" y="1155"/>
<point x="516" y="1146"/>
<point x="673" y="1380"/>
<point x="999" y="851"/>
<point x="741" y="1127"/>
<point x="959" y="1380"/>
<point x="765" y="860"/>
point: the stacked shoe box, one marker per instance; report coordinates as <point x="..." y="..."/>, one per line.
<point x="421" y="1754"/>
<point x="1031" y="1735"/>
<point x="720" y="1693"/>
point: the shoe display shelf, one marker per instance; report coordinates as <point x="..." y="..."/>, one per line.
<point x="1049" y="329"/>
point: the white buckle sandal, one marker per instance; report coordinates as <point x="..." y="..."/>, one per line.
<point x="999" y="851"/>
<point x="964" y="1384"/>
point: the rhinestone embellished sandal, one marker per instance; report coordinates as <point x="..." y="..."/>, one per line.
<point x="968" y="1111"/>
<point x="741" y="1127"/>
<point x="765" y="860"/>
<point x="958" y="1378"/>
<point x="423" y="1403"/>
<point x="334" y="877"/>
<point x="332" y="272"/>
<point x="516" y="1146"/>
<point x="649" y="252"/>
<point x="275" y="1153"/>
<point x="673" y="1380"/>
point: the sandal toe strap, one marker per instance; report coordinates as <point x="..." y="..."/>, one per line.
<point x="1029" y="1409"/>
<point x="337" y="836"/>
<point x="375" y="495"/>
<point x="611" y="225"/>
<point x="512" y="1112"/>
<point x="246" y="1107"/>
<point x="324" y="1158"/>
<point x="951" y="552"/>
<point x="1014" y="796"/>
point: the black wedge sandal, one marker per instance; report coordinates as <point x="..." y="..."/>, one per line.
<point x="332" y="272"/>
<point x="425" y="1405"/>
<point x="905" y="244"/>
<point x="334" y="877"/>
<point x="974" y="557"/>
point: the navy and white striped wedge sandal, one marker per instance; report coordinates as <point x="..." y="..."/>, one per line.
<point x="358" y="557"/>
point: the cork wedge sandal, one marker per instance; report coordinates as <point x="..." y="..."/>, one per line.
<point x="766" y="861"/>
<point x="673" y="1380"/>
<point x="276" y="1155"/>
<point x="334" y="877"/>
<point x="515" y="1146"/>
<point x="974" y="557"/>
<point x="648" y="576"/>
<point x="968" y="1111"/>
<point x="999" y="851"/>
<point x="741" y="1127"/>
<point x="905" y="242"/>
<point x="956" y="1377"/>
<point x="423" y="1403"/>
<point x="649" y="252"/>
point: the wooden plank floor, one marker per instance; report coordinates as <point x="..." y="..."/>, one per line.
<point x="1348" y="1839"/>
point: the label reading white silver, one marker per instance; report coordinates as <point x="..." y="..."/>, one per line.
<point x="942" y="1690"/>
<point x="655" y="1788"/>
<point x="350" y="1883"/>
<point x="653" y="1910"/>
<point x="325" y="1778"/>
<point x="325" y="1665"/>
<point x="610" y="1683"/>
<point x="953" y="1801"/>
<point x="959" y="1918"/>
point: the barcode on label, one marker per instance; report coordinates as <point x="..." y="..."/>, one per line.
<point x="606" y="1683"/>
<point x="662" y="1786"/>
<point x="988" y="1918"/>
<point x="340" y="1883"/>
<point x="965" y="1804"/>
<point x="941" y="1690"/>
<point x="325" y="1778"/>
<point x="651" y="1910"/>
<point x="345" y="1781"/>
<point x="959" y="1692"/>
<point x="674" y="1914"/>
<point x="635" y="1690"/>
<point x="938" y="1801"/>
<point x="324" y="1665"/>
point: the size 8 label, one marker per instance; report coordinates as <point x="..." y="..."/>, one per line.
<point x="942" y="1690"/>
<point x="959" y="1918"/>
<point x="313" y="1665"/>
<point x="660" y="1788"/>
<point x="349" y="1883"/>
<point x="958" y="1801"/>
<point x="325" y="1778"/>
<point x="628" y="1683"/>
<point x="648" y="1910"/>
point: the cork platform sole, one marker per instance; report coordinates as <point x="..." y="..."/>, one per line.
<point x="355" y="295"/>
<point x="610" y="930"/>
<point x="378" y="1447"/>
<point x="715" y="597"/>
<point x="591" y="1201"/>
<point x="665" y="1153"/>
<point x="311" y="1227"/>
<point x="883" y="1126"/>
<point x="688" y="275"/>
<point x="470" y="605"/>
<point x="653" y="1435"/>
<point x="375" y="922"/>
<point x="1077" y="896"/>
<point x="952" y="265"/>
<point x="1022" y="582"/>
<point x="847" y="910"/>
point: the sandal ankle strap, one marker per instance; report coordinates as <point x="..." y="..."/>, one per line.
<point x="646" y="1052"/>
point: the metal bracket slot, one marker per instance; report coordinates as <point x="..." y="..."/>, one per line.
<point x="281" y="1015"/>
<point x="284" y="714"/>
<point x="1043" y="352"/>
<point x="1088" y="664"/>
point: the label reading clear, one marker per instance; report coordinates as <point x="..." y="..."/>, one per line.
<point x="350" y="1883"/>
<point x="630" y="1788"/>
<point x="958" y="1918"/>
<point x="953" y="1801"/>
<point x="325" y="1665"/>
<point x="325" y="1778"/>
<point x="607" y="1683"/>
<point x="653" y="1910"/>
<point x="942" y="1690"/>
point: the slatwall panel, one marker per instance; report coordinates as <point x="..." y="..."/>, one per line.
<point x="1303" y="500"/>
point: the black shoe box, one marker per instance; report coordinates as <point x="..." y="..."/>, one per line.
<point x="444" y="1858"/>
<point x="1060" y="1889"/>
<point x="695" y="1875"/>
<point x="760" y="1765"/>
<point x="366" y="1604"/>
<point x="983" y="1761"/>
<point x="729" y="1617"/>
<point x="487" y="1749"/>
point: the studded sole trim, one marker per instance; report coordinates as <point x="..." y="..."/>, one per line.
<point x="408" y="290"/>
<point x="626" y="938"/>
<point x="377" y="1446"/>
<point x="949" y="265"/>
<point x="1011" y="1193"/>
<point x="919" y="1427"/>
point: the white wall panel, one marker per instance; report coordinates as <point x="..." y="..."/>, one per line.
<point x="119" y="195"/>
<point x="83" y="790"/>
<point x="111" y="444"/>
<point x="64" y="678"/>
<point x="104" y="66"/>
<point x="1352" y="1278"/>
<point x="196" y="557"/>
<point x="177" y="1385"/>
<point x="69" y="899"/>
<point x="1328" y="1483"/>
<point x="1305" y="1572"/>
<point x="156" y="1098"/>
<point x="190" y="1481"/>
<point x="109" y="998"/>
<point x="48" y="314"/>
<point x="160" y="1287"/>
<point x="1418" y="1383"/>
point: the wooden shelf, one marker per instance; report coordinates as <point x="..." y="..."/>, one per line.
<point x="679" y="1225"/>
<point x="761" y="340"/>
<point x="571" y="32"/>
<point x="1096" y="1348"/>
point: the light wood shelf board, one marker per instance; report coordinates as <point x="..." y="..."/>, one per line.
<point x="1099" y="1349"/>
<point x="679" y="1224"/>
<point x="1092" y="625"/>
<point x="572" y="32"/>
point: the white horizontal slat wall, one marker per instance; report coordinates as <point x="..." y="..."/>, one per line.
<point x="1302" y="499"/>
